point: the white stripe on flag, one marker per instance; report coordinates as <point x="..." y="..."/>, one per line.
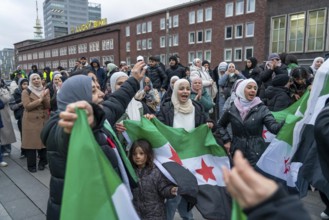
<point x="163" y="153"/>
<point x="217" y="163"/>
<point x="123" y="205"/>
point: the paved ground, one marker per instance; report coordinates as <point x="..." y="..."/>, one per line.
<point x="23" y="196"/>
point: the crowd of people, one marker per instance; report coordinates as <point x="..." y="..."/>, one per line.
<point x="234" y="104"/>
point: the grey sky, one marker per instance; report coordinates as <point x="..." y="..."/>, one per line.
<point x="17" y="17"/>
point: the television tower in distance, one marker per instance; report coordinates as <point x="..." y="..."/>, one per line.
<point x="37" y="27"/>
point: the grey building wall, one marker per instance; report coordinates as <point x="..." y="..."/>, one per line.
<point x="6" y="61"/>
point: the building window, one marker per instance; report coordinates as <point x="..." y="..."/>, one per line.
<point x="200" y="15"/>
<point x="144" y="27"/>
<point x="191" y="17"/>
<point x="207" y="55"/>
<point x="278" y="35"/>
<point x="237" y="54"/>
<point x="149" y="26"/>
<point x="24" y="57"/>
<point x="191" y="56"/>
<point x="107" y="44"/>
<point x="144" y="44"/>
<point x="72" y="63"/>
<point x="55" y="64"/>
<point x="54" y="53"/>
<point x="176" y="21"/>
<point x="238" y="31"/>
<point x="228" y="32"/>
<point x="250" y="26"/>
<point x="25" y="66"/>
<point x="170" y="40"/>
<point x="163" y="58"/>
<point x="63" y="63"/>
<point x="250" y="6"/>
<point x="94" y="46"/>
<point x="149" y="43"/>
<point x="175" y="39"/>
<point x="63" y="51"/>
<point x="139" y="29"/>
<point x="229" y="9"/>
<point x="169" y="22"/>
<point x="248" y="52"/>
<point x="20" y="58"/>
<point x="208" y="34"/>
<point x="128" y="61"/>
<point x="162" y="23"/>
<point x="128" y="46"/>
<point x="108" y="58"/>
<point x="228" y="55"/>
<point x="162" y="41"/>
<point x="41" y="65"/>
<point x="191" y="38"/>
<point x="127" y="31"/>
<point x="199" y="54"/>
<point x="72" y="49"/>
<point x="29" y="56"/>
<point x="35" y="56"/>
<point x="48" y="64"/>
<point x="199" y="37"/>
<point x="208" y="12"/>
<point x="139" y="44"/>
<point x="82" y="48"/>
<point x="316" y="30"/>
<point x="296" y="32"/>
<point x="47" y="54"/>
<point x="239" y="7"/>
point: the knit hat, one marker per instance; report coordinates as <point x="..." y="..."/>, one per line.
<point x="273" y="56"/>
<point x="173" y="58"/>
<point x="140" y="58"/>
<point x="222" y="66"/>
<point x="280" y="80"/>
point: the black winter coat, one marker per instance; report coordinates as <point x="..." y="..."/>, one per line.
<point x="267" y="75"/>
<point x="157" y="77"/>
<point x="175" y="71"/>
<point x="16" y="107"/>
<point x="149" y="197"/>
<point x="166" y="114"/>
<point x="247" y="134"/>
<point x="56" y="141"/>
<point x="278" y="98"/>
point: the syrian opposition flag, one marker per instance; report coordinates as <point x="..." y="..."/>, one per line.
<point x="165" y="158"/>
<point x="200" y="153"/>
<point x="92" y="189"/>
<point x="286" y="152"/>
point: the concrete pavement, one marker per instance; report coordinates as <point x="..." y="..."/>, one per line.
<point x="24" y="195"/>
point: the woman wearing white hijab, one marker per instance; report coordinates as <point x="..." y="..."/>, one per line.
<point x="317" y="62"/>
<point x="36" y="102"/>
<point x="247" y="116"/>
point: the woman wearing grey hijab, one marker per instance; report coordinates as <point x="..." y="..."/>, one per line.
<point x="82" y="92"/>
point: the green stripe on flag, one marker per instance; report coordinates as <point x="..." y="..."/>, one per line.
<point x="198" y="142"/>
<point x="286" y="132"/>
<point x="90" y="180"/>
<point x="237" y="213"/>
<point x="325" y="89"/>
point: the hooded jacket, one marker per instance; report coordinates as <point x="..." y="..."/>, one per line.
<point x="99" y="72"/>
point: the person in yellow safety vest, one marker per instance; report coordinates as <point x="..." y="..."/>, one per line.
<point x="47" y="75"/>
<point x="18" y="70"/>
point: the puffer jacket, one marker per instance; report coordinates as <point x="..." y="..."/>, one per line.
<point x="278" y="98"/>
<point x="157" y="77"/>
<point x="57" y="141"/>
<point x="175" y="71"/>
<point x="247" y="134"/>
<point x="149" y="197"/>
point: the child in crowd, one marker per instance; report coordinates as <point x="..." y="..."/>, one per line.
<point x="301" y="81"/>
<point x="153" y="187"/>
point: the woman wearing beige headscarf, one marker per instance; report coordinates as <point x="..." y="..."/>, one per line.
<point x="36" y="102"/>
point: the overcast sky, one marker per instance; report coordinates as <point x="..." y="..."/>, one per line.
<point x="17" y="17"/>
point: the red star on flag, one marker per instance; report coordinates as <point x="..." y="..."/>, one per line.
<point x="175" y="156"/>
<point x="264" y="134"/>
<point x="206" y="171"/>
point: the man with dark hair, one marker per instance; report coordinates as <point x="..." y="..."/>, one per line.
<point x="178" y="61"/>
<point x="174" y="69"/>
<point x="158" y="60"/>
<point x="157" y="75"/>
<point x="84" y="63"/>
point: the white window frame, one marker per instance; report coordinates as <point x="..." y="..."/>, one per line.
<point x="29" y="56"/>
<point x="289" y="34"/>
<point x="197" y="36"/>
<point x="35" y="55"/>
<point x="72" y="49"/>
<point x="149" y="26"/>
<point x="138" y="29"/>
<point x="199" y="15"/>
<point x="191" y="56"/>
<point x="47" y="54"/>
<point x="63" y="51"/>
<point x="162" y="24"/>
<point x="253" y="29"/>
<point x="236" y="31"/>
<point x="239" y="7"/>
<point x="308" y="30"/>
<point x="144" y="28"/>
<point x="139" y="45"/>
<point x="189" y="37"/>
<point x="205" y="55"/>
<point x="55" y="64"/>
<point x="251" y="6"/>
<point x="175" y="40"/>
<point x="232" y="31"/>
<point x="208" y="14"/>
<point x="235" y="54"/>
<point x="72" y="63"/>
<point x="144" y="46"/>
<point x="48" y="64"/>
<point x="149" y="43"/>
<point x="128" y="61"/>
<point x="229" y="9"/>
<point x="199" y="54"/>
<point x="54" y="52"/>
<point x="227" y="59"/>
<point x="20" y="58"/>
<point x="279" y="30"/>
<point x="175" y="21"/>
<point x="162" y="42"/>
<point x="127" y="31"/>
<point x="41" y="65"/>
<point x="63" y="63"/>
<point x="128" y="46"/>
<point x="206" y="32"/>
<point x="191" y="17"/>
<point x="245" y="52"/>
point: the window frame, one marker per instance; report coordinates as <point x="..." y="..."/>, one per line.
<point x="190" y="15"/>
<point x="162" y="23"/>
<point x="208" y="14"/>
<point x="245" y="52"/>
<point x="227" y="9"/>
<point x="232" y="33"/>
<point x="128" y="46"/>
<point x="308" y="31"/>
<point x="235" y="53"/>
<point x="225" y="51"/>
<point x="246" y="29"/>
<point x="149" y="27"/>
<point x="205" y="35"/>
<point x="199" y="17"/>
<point x="285" y="34"/>
<point x="236" y="31"/>
<point x="138" y="29"/>
<point x="128" y="31"/>
<point x="189" y="37"/>
<point x="290" y="31"/>
<point x="237" y="4"/>
<point x="191" y="56"/>
<point x="162" y="39"/>
<point x="248" y="6"/>
<point x="175" y="22"/>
